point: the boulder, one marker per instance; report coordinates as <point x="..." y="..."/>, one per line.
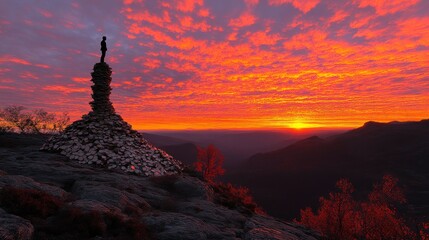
<point x="266" y="227"/>
<point x="177" y="226"/>
<point x="123" y="200"/>
<point x="14" y="228"/>
<point x="23" y="182"/>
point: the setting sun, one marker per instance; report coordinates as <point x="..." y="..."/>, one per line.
<point x="299" y="124"/>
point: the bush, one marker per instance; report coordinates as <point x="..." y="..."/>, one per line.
<point x="29" y="202"/>
<point x="340" y="216"/>
<point x="237" y="198"/>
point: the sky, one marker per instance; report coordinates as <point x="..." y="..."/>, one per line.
<point x="222" y="64"/>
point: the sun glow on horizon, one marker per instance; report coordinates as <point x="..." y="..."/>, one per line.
<point x="299" y="125"/>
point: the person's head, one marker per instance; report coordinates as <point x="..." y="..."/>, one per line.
<point x="104" y="37"/>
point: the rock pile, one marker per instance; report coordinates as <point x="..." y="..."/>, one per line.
<point x="103" y="138"/>
<point x="101" y="77"/>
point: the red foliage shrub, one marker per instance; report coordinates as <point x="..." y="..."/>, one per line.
<point x="341" y="217"/>
<point x="209" y="162"/>
<point x="424" y="231"/>
<point x="235" y="198"/>
<point x="29" y="202"/>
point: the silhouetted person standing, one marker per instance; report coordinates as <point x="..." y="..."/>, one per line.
<point x="103" y="49"/>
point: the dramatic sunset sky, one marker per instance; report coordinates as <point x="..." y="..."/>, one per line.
<point x="211" y="64"/>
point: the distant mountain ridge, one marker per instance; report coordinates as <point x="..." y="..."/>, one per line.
<point x="309" y="168"/>
<point x="371" y="142"/>
<point x="181" y="149"/>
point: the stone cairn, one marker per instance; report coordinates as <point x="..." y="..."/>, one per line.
<point x="104" y="139"/>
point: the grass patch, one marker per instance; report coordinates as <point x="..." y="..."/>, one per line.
<point x="29" y="202"/>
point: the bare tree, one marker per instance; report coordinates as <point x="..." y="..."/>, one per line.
<point x="61" y="122"/>
<point x="41" y="120"/>
<point x="37" y="121"/>
<point x="17" y="118"/>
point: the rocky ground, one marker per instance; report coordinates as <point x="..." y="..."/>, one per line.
<point x="46" y="196"/>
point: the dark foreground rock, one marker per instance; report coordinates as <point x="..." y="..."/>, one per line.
<point x="14" y="227"/>
<point x="47" y="196"/>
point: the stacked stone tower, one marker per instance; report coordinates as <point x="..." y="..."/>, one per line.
<point x="101" y="77"/>
<point x="104" y="139"/>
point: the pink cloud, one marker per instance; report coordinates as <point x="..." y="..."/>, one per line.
<point x="188" y="5"/>
<point x="28" y="75"/>
<point x="150" y="63"/>
<point x="338" y="16"/>
<point x="45" y="13"/>
<point x="361" y="20"/>
<point x="232" y="36"/>
<point x="246" y="19"/>
<point x="251" y="3"/>
<point x="65" y="89"/>
<point x="204" y="12"/>
<point x="80" y="79"/>
<point x="384" y="7"/>
<point x="10" y="59"/>
<point x="303" y="6"/>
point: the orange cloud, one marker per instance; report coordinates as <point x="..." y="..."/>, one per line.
<point x="262" y="38"/>
<point x="415" y="29"/>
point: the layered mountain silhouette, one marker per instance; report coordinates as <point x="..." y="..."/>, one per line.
<point x="182" y="150"/>
<point x="295" y="176"/>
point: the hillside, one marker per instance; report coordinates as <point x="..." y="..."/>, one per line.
<point x="45" y="196"/>
<point x="235" y="145"/>
<point x="295" y="176"/>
